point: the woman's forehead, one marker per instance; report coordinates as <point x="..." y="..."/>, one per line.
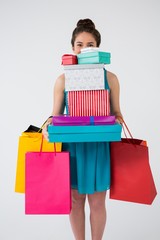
<point x="85" y="36"/>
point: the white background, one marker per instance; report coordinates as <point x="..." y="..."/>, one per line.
<point x="33" y="36"/>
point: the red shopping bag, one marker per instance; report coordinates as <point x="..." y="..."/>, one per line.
<point x="47" y="189"/>
<point x="131" y="176"/>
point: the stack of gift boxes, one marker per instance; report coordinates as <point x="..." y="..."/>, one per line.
<point x="87" y="100"/>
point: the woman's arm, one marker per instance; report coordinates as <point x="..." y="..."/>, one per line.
<point x="58" y="96"/>
<point x="58" y="103"/>
<point x="114" y="96"/>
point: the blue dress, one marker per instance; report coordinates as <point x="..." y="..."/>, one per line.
<point x="89" y="164"/>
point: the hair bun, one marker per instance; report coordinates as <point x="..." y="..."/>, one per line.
<point x="85" y="23"/>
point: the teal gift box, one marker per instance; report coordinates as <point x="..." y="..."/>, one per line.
<point x="92" y="133"/>
<point x="94" y="57"/>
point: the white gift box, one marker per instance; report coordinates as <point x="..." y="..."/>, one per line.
<point x="84" y="77"/>
<point x="89" y="49"/>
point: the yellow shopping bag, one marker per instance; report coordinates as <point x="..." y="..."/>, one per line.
<point x="30" y="142"/>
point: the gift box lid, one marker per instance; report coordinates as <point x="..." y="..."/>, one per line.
<point x="90" y="49"/>
<point x="94" y="54"/>
<point x="86" y="66"/>
<point x="90" y="133"/>
<point x="69" y="56"/>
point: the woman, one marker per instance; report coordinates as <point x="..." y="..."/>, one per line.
<point x="90" y="162"/>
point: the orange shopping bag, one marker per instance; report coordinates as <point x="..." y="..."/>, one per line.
<point x="30" y="141"/>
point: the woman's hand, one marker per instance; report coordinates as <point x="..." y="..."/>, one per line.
<point x="119" y="119"/>
<point x="45" y="129"/>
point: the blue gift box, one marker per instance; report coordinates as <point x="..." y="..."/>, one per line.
<point x="94" y="57"/>
<point x="92" y="133"/>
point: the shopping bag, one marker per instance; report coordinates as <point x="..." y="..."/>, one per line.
<point x="30" y="140"/>
<point x="131" y="175"/>
<point x="47" y="188"/>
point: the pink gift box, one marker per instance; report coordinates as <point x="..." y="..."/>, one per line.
<point x="88" y="103"/>
<point x="69" y="59"/>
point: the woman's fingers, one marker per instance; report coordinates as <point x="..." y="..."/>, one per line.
<point x="119" y="120"/>
<point x="45" y="131"/>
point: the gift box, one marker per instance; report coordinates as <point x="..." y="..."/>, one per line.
<point x="88" y="103"/>
<point x="69" y="59"/>
<point x="92" y="133"/>
<point x="94" y="57"/>
<point x="66" y="120"/>
<point x="90" y="49"/>
<point x="84" y="77"/>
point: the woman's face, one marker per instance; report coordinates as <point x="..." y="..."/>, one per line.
<point x="83" y="40"/>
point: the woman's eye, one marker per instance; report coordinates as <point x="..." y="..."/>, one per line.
<point x="79" y="45"/>
<point x="90" y="45"/>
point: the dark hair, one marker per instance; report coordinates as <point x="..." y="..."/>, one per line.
<point x="86" y="25"/>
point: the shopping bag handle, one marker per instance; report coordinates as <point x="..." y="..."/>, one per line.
<point x="127" y="130"/>
<point x="41" y="146"/>
<point x="124" y="125"/>
<point x="43" y="124"/>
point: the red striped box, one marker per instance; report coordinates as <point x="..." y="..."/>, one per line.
<point x="88" y="103"/>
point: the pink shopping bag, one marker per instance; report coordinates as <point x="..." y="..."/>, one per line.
<point x="47" y="189"/>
